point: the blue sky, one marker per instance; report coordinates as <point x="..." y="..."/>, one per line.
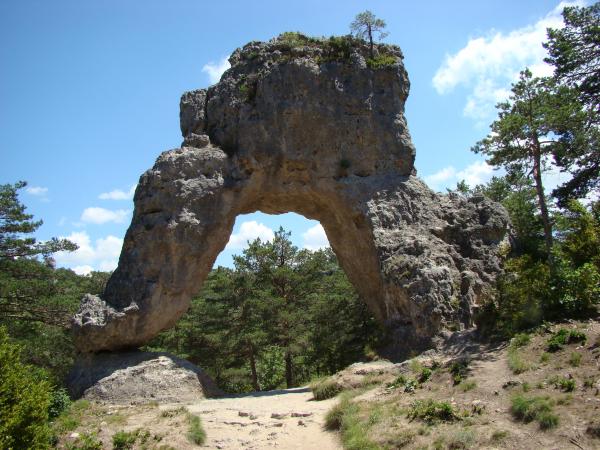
<point x="89" y="94"/>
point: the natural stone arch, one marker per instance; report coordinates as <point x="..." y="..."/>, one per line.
<point x="288" y="130"/>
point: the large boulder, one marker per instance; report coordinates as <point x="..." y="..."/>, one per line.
<point x="139" y="377"/>
<point x="315" y="127"/>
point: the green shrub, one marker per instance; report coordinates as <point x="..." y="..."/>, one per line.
<point x="431" y="411"/>
<point x="563" y="337"/>
<point x="540" y="409"/>
<point x="24" y="401"/>
<point x="459" y="370"/>
<point x="324" y="389"/>
<point x="87" y="441"/>
<point x="196" y="433"/>
<point x="381" y="61"/>
<point x="565" y="384"/>
<point x="515" y="362"/>
<point x="425" y="375"/>
<point x="544" y="357"/>
<point x="123" y="440"/>
<point x="576" y="336"/>
<point x="59" y="402"/>
<point x="520" y="340"/>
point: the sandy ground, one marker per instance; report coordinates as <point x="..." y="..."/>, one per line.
<point x="283" y="419"/>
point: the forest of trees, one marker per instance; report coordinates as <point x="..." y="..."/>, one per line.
<point x="280" y="317"/>
<point x="283" y="315"/>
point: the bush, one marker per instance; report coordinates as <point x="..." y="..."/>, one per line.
<point x="24" y="401"/>
<point x="565" y="384"/>
<point x="520" y="340"/>
<point x="425" y="375"/>
<point x="59" y="402"/>
<point x="459" y="370"/>
<point x="123" y="440"/>
<point x="196" y="433"/>
<point x="431" y="411"/>
<point x="381" y="61"/>
<point x="324" y="389"/>
<point x="563" y="337"/>
<point x="87" y="441"/>
<point x="515" y="362"/>
<point x="527" y="409"/>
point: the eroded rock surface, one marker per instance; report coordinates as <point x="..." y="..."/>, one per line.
<point x="316" y="128"/>
<point x="139" y="377"/>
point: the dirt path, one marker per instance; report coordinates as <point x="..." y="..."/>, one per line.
<point x="283" y="419"/>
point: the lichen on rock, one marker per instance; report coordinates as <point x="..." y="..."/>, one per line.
<point x="316" y="127"/>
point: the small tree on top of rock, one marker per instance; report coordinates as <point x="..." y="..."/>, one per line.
<point x="365" y="25"/>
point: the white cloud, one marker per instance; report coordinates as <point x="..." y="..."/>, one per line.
<point x="215" y="70"/>
<point x="440" y="177"/>
<point x="118" y="194"/>
<point x="101" y="215"/>
<point x="249" y="231"/>
<point x="103" y="254"/>
<point x="315" y="238"/>
<point x="38" y="191"/>
<point x="487" y="65"/>
<point x="474" y="174"/>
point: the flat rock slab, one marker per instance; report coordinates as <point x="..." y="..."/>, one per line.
<point x="139" y="377"/>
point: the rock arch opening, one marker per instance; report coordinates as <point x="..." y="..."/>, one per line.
<point x="287" y="129"/>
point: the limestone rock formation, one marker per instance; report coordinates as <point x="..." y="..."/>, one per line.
<point x="317" y="128"/>
<point x="139" y="377"/>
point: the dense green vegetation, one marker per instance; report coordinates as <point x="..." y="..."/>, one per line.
<point x="280" y="317"/>
<point x="553" y="267"/>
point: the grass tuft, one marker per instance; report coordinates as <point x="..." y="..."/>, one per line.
<point x="540" y="409"/>
<point x="431" y="411"/>
<point x="196" y="433"/>
<point x="324" y="389"/>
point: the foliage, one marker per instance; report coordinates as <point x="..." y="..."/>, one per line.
<point x="432" y="411"/>
<point x="425" y="375"/>
<point x="540" y="409"/>
<point x="366" y="25"/>
<point x="123" y="440"/>
<point x="516" y="363"/>
<point x="381" y="61"/>
<point x="36" y="299"/>
<point x="268" y="321"/>
<point x="345" y="417"/>
<point x="564" y="383"/>
<point x="196" y="433"/>
<point x="520" y="340"/>
<point x="324" y="389"/>
<point x="59" y="402"/>
<point x="87" y="441"/>
<point x="574" y="51"/>
<point x="525" y="133"/>
<point x="24" y="401"/>
<point x="459" y="370"/>
<point x="563" y="337"/>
